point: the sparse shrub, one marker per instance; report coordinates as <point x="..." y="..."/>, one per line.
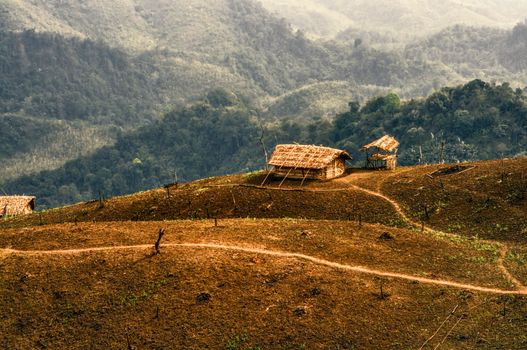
<point x="518" y="258"/>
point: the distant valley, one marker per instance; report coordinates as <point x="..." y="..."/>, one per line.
<point x="80" y="76"/>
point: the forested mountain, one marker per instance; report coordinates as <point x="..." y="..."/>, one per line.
<point x="221" y="135"/>
<point x="405" y="18"/>
<point x="80" y="75"/>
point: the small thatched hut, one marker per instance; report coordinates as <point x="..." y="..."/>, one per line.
<point x="308" y="162"/>
<point x="384" y="153"/>
<point x="16" y="205"/>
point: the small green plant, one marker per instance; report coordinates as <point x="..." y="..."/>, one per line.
<point x="478" y="259"/>
<point x="518" y="258"/>
<point x="133" y="299"/>
<point x="293" y="346"/>
<point x="235" y="342"/>
<point x="502" y="228"/>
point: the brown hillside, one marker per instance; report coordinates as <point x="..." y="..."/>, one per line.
<point x="489" y="201"/>
<point x="285" y="268"/>
<point x="197" y="298"/>
<point x="228" y="197"/>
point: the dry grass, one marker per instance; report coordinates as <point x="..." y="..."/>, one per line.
<point x="95" y="299"/>
<point x="195" y="298"/>
<point x="489" y="201"/>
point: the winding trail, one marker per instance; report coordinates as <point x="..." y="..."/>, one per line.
<point x="503" y="247"/>
<point x="500" y="262"/>
<point x="331" y="264"/>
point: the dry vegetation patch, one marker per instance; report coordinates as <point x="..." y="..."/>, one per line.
<point x="488" y="201"/>
<point x="194" y="299"/>
<point x="212" y="297"/>
<point x="211" y="199"/>
<point x="463" y="260"/>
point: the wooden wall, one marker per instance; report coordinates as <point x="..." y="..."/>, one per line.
<point x="333" y="170"/>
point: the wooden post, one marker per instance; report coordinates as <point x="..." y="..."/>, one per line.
<point x="360" y="221"/>
<point x="156" y="244"/>
<point x="262" y="143"/>
<point x="442" y="153"/>
<point x="233" y="200"/>
<point x="215" y="222"/>
<point x="266" y="177"/>
<point x="283" y="180"/>
<point x="128" y="344"/>
<point x="101" y="200"/>
<point x="502" y="170"/>
<point x="304" y="179"/>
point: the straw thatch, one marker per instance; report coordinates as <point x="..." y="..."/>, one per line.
<point x="305" y="156"/>
<point x="386" y="143"/>
<point x="308" y="162"/>
<point x="378" y="159"/>
<point x="16" y="205"/>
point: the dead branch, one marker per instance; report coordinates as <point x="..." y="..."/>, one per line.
<point x="262" y="143"/>
<point x="156" y="244"/>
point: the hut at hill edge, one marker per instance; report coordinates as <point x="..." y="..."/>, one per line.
<point x="308" y="162"/>
<point x="384" y="153"/>
<point x="16" y="205"/>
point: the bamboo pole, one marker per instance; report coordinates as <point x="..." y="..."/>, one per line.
<point x="304" y="179"/>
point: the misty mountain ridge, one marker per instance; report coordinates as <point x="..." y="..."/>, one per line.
<point x="95" y="71"/>
<point x="404" y="19"/>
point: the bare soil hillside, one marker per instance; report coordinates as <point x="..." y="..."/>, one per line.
<point x="353" y="263"/>
<point x="98" y="285"/>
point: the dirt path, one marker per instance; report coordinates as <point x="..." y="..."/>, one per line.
<point x="500" y="261"/>
<point x="503" y="247"/>
<point x="357" y="269"/>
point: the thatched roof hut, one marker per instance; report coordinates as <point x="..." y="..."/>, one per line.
<point x="16" y="205"/>
<point x="384" y="153"/>
<point x="386" y="143"/>
<point x="308" y="161"/>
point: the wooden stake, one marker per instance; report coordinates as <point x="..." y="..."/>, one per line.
<point x="266" y="177"/>
<point x="128" y="344"/>
<point x="262" y="143"/>
<point x="283" y="180"/>
<point x="502" y="170"/>
<point x="233" y="200"/>
<point x="156" y="244"/>
<point x="304" y="179"/>
<point x="215" y="222"/>
<point x="101" y="200"/>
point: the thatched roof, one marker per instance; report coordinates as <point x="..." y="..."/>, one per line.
<point x="16" y="204"/>
<point x="305" y="156"/>
<point x="386" y="143"/>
